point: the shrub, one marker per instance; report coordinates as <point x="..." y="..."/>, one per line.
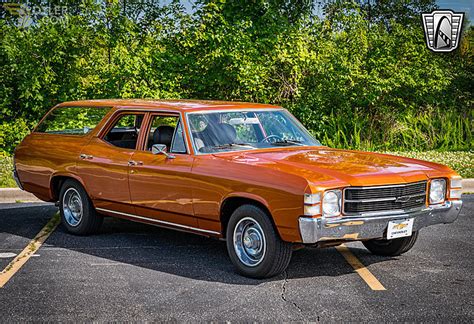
<point x="354" y="82"/>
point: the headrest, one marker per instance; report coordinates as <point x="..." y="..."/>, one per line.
<point x="163" y="135"/>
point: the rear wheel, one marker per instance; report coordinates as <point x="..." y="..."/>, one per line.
<point x="391" y="247"/>
<point x="253" y="245"/>
<point x="78" y="215"/>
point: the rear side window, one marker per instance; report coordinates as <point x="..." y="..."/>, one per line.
<point x="72" y="120"/>
<point x="125" y="131"/>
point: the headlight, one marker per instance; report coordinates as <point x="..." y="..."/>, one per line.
<point x="332" y="203"/>
<point x="437" y="191"/>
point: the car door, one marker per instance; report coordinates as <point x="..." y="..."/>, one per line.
<point x="104" y="163"/>
<point x="159" y="185"/>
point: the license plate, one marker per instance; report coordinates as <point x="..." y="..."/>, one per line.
<point x="399" y="228"/>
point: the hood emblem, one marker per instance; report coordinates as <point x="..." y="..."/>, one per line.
<point x="402" y="199"/>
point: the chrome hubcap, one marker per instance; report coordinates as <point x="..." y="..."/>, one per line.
<point x="72" y="207"/>
<point x="249" y="242"/>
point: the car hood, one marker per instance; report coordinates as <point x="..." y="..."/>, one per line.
<point x="327" y="167"/>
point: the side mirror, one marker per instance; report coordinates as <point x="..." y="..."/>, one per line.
<point x="161" y="149"/>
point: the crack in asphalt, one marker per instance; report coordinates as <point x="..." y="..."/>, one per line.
<point x="283" y="286"/>
<point x="283" y="294"/>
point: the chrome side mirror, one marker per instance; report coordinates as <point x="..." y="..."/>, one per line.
<point x="161" y="149"/>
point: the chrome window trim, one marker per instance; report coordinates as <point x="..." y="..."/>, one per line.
<point x="180" y="121"/>
<point x="213" y="111"/>
<point x="196" y="152"/>
<point x="164" y="223"/>
<point x="116" y="110"/>
<point x="114" y="118"/>
<point x="145" y="111"/>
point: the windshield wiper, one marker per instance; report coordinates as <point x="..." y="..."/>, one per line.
<point x="230" y="145"/>
<point x="287" y="142"/>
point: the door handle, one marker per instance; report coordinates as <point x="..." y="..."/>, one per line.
<point x="132" y="163"/>
<point x="86" y="157"/>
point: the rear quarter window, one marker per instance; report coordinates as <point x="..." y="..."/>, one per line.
<point x="72" y="120"/>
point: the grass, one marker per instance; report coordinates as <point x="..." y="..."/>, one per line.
<point x="461" y="162"/>
<point x="6" y="178"/>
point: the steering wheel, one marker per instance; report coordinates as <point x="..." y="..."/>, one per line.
<point x="267" y="139"/>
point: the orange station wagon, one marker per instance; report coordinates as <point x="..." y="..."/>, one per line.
<point x="249" y="174"/>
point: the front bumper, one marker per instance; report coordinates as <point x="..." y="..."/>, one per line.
<point x="17" y="180"/>
<point x="314" y="230"/>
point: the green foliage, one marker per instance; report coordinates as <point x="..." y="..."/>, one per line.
<point x="461" y="162"/>
<point x="421" y="130"/>
<point x="359" y="78"/>
<point x="72" y="120"/>
<point x="11" y="134"/>
<point x="6" y="169"/>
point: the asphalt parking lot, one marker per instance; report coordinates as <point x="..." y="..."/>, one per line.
<point x="138" y="272"/>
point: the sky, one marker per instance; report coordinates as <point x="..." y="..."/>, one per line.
<point x="466" y="6"/>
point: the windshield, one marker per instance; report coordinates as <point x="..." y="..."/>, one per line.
<point x="244" y="130"/>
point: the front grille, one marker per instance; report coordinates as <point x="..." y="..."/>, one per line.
<point x="384" y="198"/>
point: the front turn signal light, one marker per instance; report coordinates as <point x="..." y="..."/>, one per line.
<point x="455" y="182"/>
<point x="312" y="204"/>
<point x="312" y="210"/>
<point x="311" y="199"/>
<point x="455" y="193"/>
<point x="455" y="188"/>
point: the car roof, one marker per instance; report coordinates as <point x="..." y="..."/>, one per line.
<point x="175" y="105"/>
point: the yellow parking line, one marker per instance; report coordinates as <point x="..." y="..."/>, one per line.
<point x="363" y="272"/>
<point x="29" y="250"/>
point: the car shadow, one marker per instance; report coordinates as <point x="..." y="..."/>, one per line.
<point x="178" y="253"/>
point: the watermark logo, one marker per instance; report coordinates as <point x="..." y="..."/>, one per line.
<point x="442" y="30"/>
<point x="25" y="13"/>
<point x="13" y="8"/>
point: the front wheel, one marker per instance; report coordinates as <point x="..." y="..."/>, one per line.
<point x="392" y="247"/>
<point x="253" y="245"/>
<point x="78" y="215"/>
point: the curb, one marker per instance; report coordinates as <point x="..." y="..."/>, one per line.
<point x="13" y="195"/>
<point x="468" y="185"/>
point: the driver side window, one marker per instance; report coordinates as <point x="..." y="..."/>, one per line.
<point x="125" y="131"/>
<point x="166" y="130"/>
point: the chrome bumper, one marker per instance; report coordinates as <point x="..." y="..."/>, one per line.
<point x="17" y="180"/>
<point x="314" y="230"/>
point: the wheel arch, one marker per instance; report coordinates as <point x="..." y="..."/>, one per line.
<point x="234" y="201"/>
<point x="58" y="179"/>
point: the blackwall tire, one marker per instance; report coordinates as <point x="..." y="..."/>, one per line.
<point x="393" y="247"/>
<point x="78" y="215"/>
<point x="253" y="244"/>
